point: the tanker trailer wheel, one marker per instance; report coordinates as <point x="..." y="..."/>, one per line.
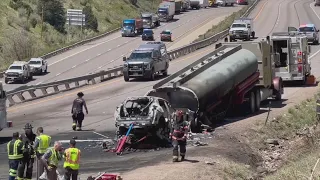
<point x="258" y="100"/>
<point x="252" y="103"/>
<point x="195" y="125"/>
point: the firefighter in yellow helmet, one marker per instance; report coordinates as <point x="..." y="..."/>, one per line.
<point x="72" y="160"/>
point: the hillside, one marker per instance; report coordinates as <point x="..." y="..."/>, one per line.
<point x="21" y="24"/>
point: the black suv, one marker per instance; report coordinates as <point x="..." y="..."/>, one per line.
<point x="146" y="61"/>
<point x="147" y="34"/>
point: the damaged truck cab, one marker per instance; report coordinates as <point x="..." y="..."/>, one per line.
<point x="149" y="115"/>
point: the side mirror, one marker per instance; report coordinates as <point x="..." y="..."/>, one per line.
<point x="124" y="58"/>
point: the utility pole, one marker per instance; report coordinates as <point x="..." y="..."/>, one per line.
<point x="41" y="20"/>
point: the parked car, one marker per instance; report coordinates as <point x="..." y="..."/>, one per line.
<point x="147" y="35"/>
<point x="166" y="35"/>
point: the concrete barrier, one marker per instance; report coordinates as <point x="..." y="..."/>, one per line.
<point x="29" y="93"/>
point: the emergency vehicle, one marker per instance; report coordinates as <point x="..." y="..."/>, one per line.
<point x="291" y="56"/>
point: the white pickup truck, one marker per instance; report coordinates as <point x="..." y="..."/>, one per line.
<point x="242" y="28"/>
<point x="18" y="71"/>
<point x="38" y="65"/>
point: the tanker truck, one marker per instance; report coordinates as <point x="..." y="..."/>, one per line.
<point x="235" y="76"/>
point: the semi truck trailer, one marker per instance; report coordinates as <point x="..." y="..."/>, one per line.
<point x="195" y="4"/>
<point x="166" y="10"/>
<point x="232" y="77"/>
<point x="178" y="5"/>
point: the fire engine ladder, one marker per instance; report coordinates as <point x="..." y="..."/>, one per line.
<point x="198" y="66"/>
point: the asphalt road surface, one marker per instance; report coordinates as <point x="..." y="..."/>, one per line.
<point x="53" y="113"/>
<point x="107" y="52"/>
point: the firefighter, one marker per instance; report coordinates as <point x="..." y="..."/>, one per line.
<point x="50" y="160"/>
<point x="179" y="136"/>
<point x="77" y="111"/>
<point x="41" y="145"/>
<point x="72" y="159"/>
<point x="15" y="154"/>
<point x="28" y="155"/>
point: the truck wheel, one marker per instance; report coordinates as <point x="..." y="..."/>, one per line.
<point x="195" y="126"/>
<point x="30" y="77"/>
<point x="251" y="103"/>
<point x="253" y="34"/>
<point x="6" y="80"/>
<point x="152" y="75"/>
<point x="126" y="78"/>
<point x="46" y="70"/>
<point x="165" y="72"/>
<point x="258" y="100"/>
<point x="231" y="4"/>
<point x="23" y="80"/>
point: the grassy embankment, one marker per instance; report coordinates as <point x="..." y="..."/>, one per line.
<point x="16" y="26"/>
<point x="298" y="133"/>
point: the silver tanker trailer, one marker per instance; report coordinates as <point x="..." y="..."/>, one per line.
<point x="236" y="75"/>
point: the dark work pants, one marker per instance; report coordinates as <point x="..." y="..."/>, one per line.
<point x="70" y="173"/>
<point x="176" y="144"/>
<point x="40" y="165"/>
<point x="13" y="168"/>
<point x="28" y="165"/>
<point x="77" y="119"/>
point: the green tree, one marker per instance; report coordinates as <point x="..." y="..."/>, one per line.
<point x="91" y="20"/>
<point x="53" y="13"/>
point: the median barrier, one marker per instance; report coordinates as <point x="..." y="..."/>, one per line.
<point x="29" y="93"/>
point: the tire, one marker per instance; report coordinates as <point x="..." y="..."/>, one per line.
<point x="195" y="126"/>
<point x="126" y="78"/>
<point x="165" y="72"/>
<point x="257" y="100"/>
<point x="253" y="34"/>
<point x="251" y="103"/>
<point x="231" y="4"/>
<point x="152" y="75"/>
<point x="6" y="80"/>
<point x="30" y="77"/>
<point x="46" y="70"/>
<point x="23" y="81"/>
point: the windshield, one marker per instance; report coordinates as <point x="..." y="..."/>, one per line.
<point x="146" y="18"/>
<point x="147" y="32"/>
<point x="238" y="25"/>
<point x="140" y="55"/>
<point x="35" y="62"/>
<point x="306" y="29"/>
<point x="128" y="24"/>
<point x="165" y="32"/>
<point x="15" y="67"/>
<point x="162" y="10"/>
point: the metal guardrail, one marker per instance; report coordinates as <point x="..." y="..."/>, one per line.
<point x="29" y="93"/>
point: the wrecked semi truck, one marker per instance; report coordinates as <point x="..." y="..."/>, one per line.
<point x="232" y="77"/>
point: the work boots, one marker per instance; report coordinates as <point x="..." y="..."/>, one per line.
<point x="182" y="157"/>
<point x="175" y="159"/>
<point x="74" y="126"/>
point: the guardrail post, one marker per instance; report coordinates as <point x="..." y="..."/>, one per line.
<point x="12" y="102"/>
<point x="44" y="91"/>
<point x="67" y="85"/>
<point x="56" y="89"/>
<point x="76" y="83"/>
<point x="32" y="94"/>
<point x="93" y="81"/>
<point x="20" y="96"/>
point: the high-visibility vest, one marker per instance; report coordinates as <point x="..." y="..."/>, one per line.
<point x="15" y="149"/>
<point x="53" y="160"/>
<point x="44" y="143"/>
<point x="72" y="158"/>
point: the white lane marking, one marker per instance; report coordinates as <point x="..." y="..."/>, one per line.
<point x="74" y="66"/>
<point x="112" y="60"/>
<point x="109" y="49"/>
<point x="119" y="45"/>
<point x="39" y="83"/>
<point x="100" y="67"/>
<point x="126" y="42"/>
<point x="319" y="19"/>
<point x="87" y="60"/>
<point x="100" y="134"/>
<point x="123" y="55"/>
<point x="58" y="74"/>
<point x="99" y="54"/>
<point x="83" y="50"/>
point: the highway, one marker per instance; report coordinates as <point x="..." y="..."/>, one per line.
<point x="107" y="52"/>
<point x="53" y="113"/>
